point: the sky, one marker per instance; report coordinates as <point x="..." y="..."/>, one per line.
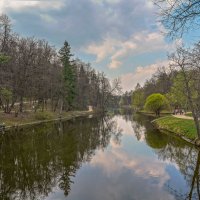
<point x="122" y="38"/>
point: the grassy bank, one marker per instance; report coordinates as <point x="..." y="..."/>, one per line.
<point x="163" y="113"/>
<point x="28" y="118"/>
<point x="189" y="114"/>
<point x="180" y="127"/>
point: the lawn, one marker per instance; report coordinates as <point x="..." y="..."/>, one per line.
<point x="189" y="114"/>
<point x="184" y="127"/>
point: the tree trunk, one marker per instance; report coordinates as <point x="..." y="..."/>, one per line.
<point x="21" y="105"/>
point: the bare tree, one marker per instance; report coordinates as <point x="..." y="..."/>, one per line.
<point x="30" y="70"/>
<point x="178" y="16"/>
<point x="182" y="60"/>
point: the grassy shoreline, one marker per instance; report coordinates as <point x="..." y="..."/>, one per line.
<point x="184" y="128"/>
<point x="163" y="113"/>
<point x="28" y="118"/>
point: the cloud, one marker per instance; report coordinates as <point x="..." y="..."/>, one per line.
<point x="119" y="159"/>
<point x="130" y="80"/>
<point x="19" y="5"/>
<point x="82" y="23"/>
<point x="47" y="18"/>
<point x="102" y="50"/>
<point x="117" y="33"/>
<point x="116" y="50"/>
<point x="106" y="1"/>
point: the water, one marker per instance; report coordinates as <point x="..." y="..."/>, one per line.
<point x="120" y="157"/>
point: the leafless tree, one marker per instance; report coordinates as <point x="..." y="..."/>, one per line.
<point x="178" y="16"/>
<point x="34" y="73"/>
<point x="184" y="61"/>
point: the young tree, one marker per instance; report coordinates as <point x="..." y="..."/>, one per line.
<point x="68" y="75"/>
<point x="155" y="103"/>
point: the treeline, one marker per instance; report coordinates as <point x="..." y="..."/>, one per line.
<point x="179" y="83"/>
<point x="31" y="70"/>
<point x="163" y="82"/>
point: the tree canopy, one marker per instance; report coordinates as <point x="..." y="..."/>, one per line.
<point x="155" y="103"/>
<point x="68" y="75"/>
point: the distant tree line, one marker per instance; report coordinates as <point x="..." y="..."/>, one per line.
<point x="179" y="83"/>
<point x="161" y="82"/>
<point x="31" y="70"/>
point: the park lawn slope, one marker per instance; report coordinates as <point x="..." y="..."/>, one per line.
<point x="181" y="127"/>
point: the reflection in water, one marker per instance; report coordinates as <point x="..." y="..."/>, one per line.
<point x="122" y="157"/>
<point x="35" y="160"/>
<point x="175" y="150"/>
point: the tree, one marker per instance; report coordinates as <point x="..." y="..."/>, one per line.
<point x="68" y="75"/>
<point x="178" y="16"/>
<point x="33" y="71"/>
<point x="5" y="98"/>
<point x="187" y="62"/>
<point x="176" y="96"/>
<point x="5" y="33"/>
<point x="4" y="59"/>
<point x="156" y="102"/>
<point x="138" y="97"/>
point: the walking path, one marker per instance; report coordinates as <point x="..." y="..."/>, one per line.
<point x="183" y="117"/>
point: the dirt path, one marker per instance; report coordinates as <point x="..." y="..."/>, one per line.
<point x="183" y="117"/>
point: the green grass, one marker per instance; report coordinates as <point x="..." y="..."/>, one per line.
<point x="184" y="127"/>
<point x="44" y="115"/>
<point x="163" y="113"/>
<point x="189" y="114"/>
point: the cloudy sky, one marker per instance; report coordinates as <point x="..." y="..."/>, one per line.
<point x="120" y="37"/>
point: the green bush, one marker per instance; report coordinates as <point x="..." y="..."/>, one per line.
<point x="43" y="116"/>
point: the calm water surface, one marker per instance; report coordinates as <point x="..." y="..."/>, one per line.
<point x="99" y="158"/>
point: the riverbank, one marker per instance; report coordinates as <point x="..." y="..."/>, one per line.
<point x="184" y="128"/>
<point x="30" y="118"/>
<point x="163" y="113"/>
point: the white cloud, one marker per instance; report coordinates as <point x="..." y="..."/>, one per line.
<point x="19" y="5"/>
<point x="102" y="50"/>
<point x="130" y="80"/>
<point x="115" y="64"/>
<point x="106" y="1"/>
<point x="138" y="43"/>
<point x="118" y="159"/>
<point x="47" y="18"/>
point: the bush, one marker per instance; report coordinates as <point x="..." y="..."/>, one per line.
<point x="43" y="116"/>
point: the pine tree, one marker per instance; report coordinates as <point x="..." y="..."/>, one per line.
<point x="68" y="75"/>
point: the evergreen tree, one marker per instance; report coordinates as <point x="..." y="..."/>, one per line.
<point x="68" y="75"/>
<point x="4" y="59"/>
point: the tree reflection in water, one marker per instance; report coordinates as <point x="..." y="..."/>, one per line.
<point x="35" y="160"/>
<point x="175" y="150"/>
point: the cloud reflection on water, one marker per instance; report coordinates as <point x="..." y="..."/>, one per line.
<point x="118" y="173"/>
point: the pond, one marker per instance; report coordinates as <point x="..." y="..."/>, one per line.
<point x="97" y="158"/>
